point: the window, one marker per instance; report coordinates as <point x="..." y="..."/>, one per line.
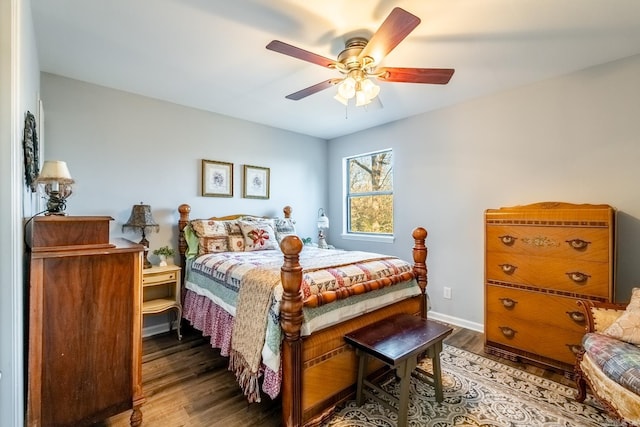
<point x="369" y="201"/>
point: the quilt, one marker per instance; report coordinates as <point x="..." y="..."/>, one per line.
<point x="234" y="280"/>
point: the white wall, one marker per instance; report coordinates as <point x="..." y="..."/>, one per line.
<point x="19" y="82"/>
<point x="123" y="149"/>
<point x="573" y="139"/>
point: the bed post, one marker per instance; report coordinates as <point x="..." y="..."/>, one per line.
<point x="291" y="320"/>
<point x="184" y="210"/>
<point x="420" y="265"/>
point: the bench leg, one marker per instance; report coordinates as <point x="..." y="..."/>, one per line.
<point x="362" y="363"/>
<point x="437" y="371"/>
<point x="404" y="372"/>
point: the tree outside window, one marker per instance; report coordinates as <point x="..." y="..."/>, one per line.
<point x="370" y="193"/>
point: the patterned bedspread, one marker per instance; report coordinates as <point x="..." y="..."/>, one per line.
<point x="219" y="277"/>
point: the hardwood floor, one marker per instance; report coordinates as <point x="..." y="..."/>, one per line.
<point x="186" y="383"/>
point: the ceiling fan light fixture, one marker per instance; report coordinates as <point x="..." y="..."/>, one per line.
<point x="341" y="99"/>
<point x="363" y="90"/>
<point x="347" y="88"/>
<point x="370" y="89"/>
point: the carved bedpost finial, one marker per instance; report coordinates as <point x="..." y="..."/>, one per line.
<point x="420" y="262"/>
<point x="184" y="210"/>
<point x="287" y="211"/>
<point x="291" y="275"/>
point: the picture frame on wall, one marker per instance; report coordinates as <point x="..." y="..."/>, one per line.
<point x="256" y="182"/>
<point x="217" y="178"/>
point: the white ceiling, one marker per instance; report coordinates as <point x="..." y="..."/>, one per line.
<point x="210" y="54"/>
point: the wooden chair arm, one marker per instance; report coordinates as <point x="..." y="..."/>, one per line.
<point x="599" y="315"/>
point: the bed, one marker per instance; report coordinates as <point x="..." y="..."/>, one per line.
<point x="309" y="297"/>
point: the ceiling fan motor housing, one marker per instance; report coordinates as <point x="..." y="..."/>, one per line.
<point x="349" y="56"/>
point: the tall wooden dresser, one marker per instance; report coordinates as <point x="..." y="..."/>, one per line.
<point x="539" y="260"/>
<point x="85" y="320"/>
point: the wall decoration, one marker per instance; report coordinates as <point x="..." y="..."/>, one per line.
<point x="217" y="178"/>
<point x="256" y="182"/>
<point x="30" y="147"/>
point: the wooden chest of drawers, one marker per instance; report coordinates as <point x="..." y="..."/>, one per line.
<point x="539" y="260"/>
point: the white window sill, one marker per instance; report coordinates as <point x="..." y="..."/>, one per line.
<point x="368" y="238"/>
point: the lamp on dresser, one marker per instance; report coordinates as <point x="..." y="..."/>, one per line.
<point x="141" y="219"/>
<point x="55" y="183"/>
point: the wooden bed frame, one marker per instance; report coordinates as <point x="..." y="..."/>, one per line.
<point x="308" y="396"/>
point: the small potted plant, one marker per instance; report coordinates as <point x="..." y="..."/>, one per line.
<point x="162" y="253"/>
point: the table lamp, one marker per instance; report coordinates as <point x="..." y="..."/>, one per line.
<point x="323" y="224"/>
<point x="141" y="219"/>
<point x="55" y="182"/>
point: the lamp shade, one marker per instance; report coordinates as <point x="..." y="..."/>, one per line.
<point x="55" y="170"/>
<point x="141" y="218"/>
<point x="323" y="220"/>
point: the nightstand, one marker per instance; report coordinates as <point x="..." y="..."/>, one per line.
<point x="161" y="292"/>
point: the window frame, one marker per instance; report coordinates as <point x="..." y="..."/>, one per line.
<point x="357" y="235"/>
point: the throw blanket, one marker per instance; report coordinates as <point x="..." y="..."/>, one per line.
<point x="247" y="339"/>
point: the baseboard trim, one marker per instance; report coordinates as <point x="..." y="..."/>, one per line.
<point x="160" y="328"/>
<point x="478" y="327"/>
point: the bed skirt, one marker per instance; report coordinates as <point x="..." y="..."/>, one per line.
<point x="216" y="323"/>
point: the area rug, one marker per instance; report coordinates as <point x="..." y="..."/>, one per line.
<point x="480" y="392"/>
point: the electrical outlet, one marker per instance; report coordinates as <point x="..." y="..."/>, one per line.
<point x="447" y="293"/>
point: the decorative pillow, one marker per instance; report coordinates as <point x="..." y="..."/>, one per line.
<point x="284" y="227"/>
<point x="218" y="236"/>
<point x="627" y="327"/>
<point x="258" y="235"/>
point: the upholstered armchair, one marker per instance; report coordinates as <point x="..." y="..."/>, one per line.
<point x="610" y="361"/>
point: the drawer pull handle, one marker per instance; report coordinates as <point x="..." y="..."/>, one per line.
<point x="575" y="348"/>
<point x="508" y="302"/>
<point x="578" y="244"/>
<point x="576" y="316"/>
<point x="508" y="268"/>
<point x="507" y="240"/>
<point x="578" y="277"/>
<point x="507" y="331"/>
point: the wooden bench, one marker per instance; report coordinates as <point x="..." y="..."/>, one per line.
<point x="399" y="341"/>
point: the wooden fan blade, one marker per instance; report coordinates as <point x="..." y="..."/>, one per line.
<point x="296" y="52"/>
<point x="313" y="89"/>
<point x="436" y="76"/>
<point x="393" y="30"/>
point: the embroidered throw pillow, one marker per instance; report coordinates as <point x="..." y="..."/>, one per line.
<point x="218" y="236"/>
<point x="258" y="235"/>
<point x="284" y="227"/>
<point x="627" y="327"/>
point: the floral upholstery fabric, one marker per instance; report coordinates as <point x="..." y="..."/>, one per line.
<point x="618" y="360"/>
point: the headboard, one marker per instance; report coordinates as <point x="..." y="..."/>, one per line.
<point x="185" y="210"/>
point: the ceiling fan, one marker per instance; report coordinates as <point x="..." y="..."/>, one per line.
<point x="360" y="59"/>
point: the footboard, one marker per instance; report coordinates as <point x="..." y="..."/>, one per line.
<point x="307" y="396"/>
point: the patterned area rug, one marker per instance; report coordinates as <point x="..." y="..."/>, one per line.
<point x="480" y="392"/>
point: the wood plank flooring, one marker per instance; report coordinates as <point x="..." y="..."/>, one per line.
<point x="186" y="383"/>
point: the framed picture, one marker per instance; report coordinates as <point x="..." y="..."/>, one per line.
<point x="256" y="182"/>
<point x="217" y="178"/>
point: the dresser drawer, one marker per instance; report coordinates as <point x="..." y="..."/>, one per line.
<point x="537" y="308"/>
<point x="551" y="342"/>
<point x="567" y="275"/>
<point x="160" y="277"/>
<point x="581" y="243"/>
